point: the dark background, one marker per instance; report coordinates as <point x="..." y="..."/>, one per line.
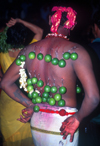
<point x="89" y="134"/>
<point x="84" y="9"/>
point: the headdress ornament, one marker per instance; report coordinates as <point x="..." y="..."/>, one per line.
<point x="56" y="18"/>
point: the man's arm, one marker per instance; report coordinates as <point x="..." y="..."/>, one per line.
<point x="84" y="71"/>
<point x="34" y="28"/>
<point x="9" y="86"/>
<point x="11" y="89"/>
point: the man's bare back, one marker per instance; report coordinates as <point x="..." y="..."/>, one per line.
<point x="53" y="74"/>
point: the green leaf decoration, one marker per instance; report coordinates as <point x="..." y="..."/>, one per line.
<point x="3" y="45"/>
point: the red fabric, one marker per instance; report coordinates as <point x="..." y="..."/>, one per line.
<point x="62" y="112"/>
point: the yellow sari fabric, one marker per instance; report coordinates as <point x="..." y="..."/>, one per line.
<point x="15" y="133"/>
<point x="33" y="41"/>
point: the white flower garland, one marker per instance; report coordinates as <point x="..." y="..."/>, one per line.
<point x="23" y="79"/>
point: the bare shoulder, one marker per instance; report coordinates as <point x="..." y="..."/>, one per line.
<point x="83" y="64"/>
<point x="77" y="47"/>
<point x="82" y="53"/>
<point x="27" y="49"/>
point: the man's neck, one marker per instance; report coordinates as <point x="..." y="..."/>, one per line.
<point x="63" y="31"/>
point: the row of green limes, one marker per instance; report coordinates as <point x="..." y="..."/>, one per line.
<point x="46" y="98"/>
<point x="51" y="102"/>
<point x="47" y="88"/>
<point x="54" y="61"/>
<point x="48" y="58"/>
<point x="36" y="98"/>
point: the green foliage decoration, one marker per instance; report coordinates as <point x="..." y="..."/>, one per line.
<point x="3" y="45"/>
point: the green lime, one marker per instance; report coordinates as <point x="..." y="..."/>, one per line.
<point x="57" y="97"/>
<point x="66" y="55"/>
<point x="38" y="99"/>
<point x="22" y="57"/>
<point x="45" y="94"/>
<point x="34" y="101"/>
<point x="18" y="62"/>
<point x="62" y="63"/>
<point x="48" y="99"/>
<point x="34" y="80"/>
<point x="48" y="58"/>
<point x="74" y="56"/>
<point x="61" y="102"/>
<point x="30" y="95"/>
<point x="78" y="90"/>
<point x="29" y="88"/>
<point x="34" y="94"/>
<point x="40" y="83"/>
<point x="62" y="90"/>
<point x="31" y="55"/>
<point x="36" y="108"/>
<point x="47" y="88"/>
<point x="53" y="89"/>
<point x="29" y="81"/>
<point x="40" y="56"/>
<point x="55" y="61"/>
<point x="44" y="99"/>
<point x="52" y="101"/>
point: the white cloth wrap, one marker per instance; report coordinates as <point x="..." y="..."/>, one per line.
<point x="51" y="122"/>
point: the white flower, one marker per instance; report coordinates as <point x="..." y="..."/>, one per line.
<point x="31" y="91"/>
<point x="37" y="91"/>
<point x="23" y="77"/>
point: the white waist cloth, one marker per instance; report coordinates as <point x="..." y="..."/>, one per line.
<point x="45" y="127"/>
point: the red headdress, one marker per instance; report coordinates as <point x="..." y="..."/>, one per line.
<point x="56" y="18"/>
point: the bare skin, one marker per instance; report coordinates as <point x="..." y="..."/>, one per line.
<point x="37" y="30"/>
<point x="50" y="74"/>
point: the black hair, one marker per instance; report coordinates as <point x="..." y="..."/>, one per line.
<point x="16" y="35"/>
<point x="63" y="17"/>
<point x="96" y="18"/>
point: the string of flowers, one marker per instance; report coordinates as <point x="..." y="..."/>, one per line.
<point x="23" y="77"/>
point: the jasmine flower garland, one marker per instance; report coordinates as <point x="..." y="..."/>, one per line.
<point x="23" y="77"/>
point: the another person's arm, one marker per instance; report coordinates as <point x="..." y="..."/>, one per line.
<point x="84" y="71"/>
<point x="34" y="28"/>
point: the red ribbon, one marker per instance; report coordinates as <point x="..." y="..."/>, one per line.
<point x="56" y="18"/>
<point x="62" y="112"/>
